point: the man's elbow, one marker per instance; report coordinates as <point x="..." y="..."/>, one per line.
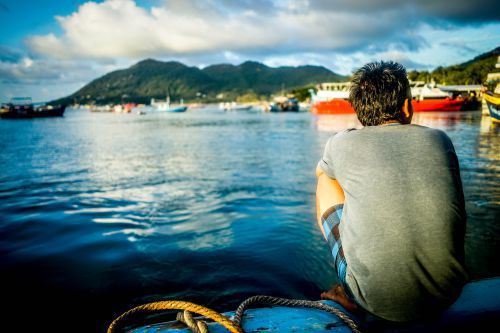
<point x="319" y="172"/>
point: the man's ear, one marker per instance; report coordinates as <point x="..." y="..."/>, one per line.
<point x="407" y="111"/>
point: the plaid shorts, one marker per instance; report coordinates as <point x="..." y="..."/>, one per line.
<point x="331" y="221"/>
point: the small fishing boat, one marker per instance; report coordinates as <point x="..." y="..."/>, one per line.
<point x="123" y="108"/>
<point x="180" y="108"/>
<point x="233" y="106"/>
<point x="493" y="101"/>
<point x="101" y="108"/>
<point x="23" y="108"/>
<point x="164" y="106"/>
<point x="284" y="104"/>
<point x="476" y="310"/>
<point x="468" y="92"/>
<point x="491" y="96"/>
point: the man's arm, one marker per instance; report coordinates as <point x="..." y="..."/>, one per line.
<point x="328" y="194"/>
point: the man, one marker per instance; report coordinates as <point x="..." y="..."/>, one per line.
<point x="391" y="206"/>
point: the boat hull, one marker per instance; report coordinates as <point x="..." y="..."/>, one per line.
<point x="49" y="112"/>
<point x="493" y="102"/>
<point x="430" y="105"/>
<point x="333" y="106"/>
<point x="177" y="109"/>
<point x="171" y="109"/>
<point x="27" y="112"/>
<point x="477" y="308"/>
<point x="342" y="106"/>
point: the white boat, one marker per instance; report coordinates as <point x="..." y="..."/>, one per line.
<point x="421" y="90"/>
<point x="101" y="108"/>
<point x="233" y="106"/>
<point x="164" y="106"/>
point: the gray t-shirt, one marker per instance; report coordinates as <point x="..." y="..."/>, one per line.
<point x="404" y="218"/>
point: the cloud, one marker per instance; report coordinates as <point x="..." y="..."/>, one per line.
<point x="338" y="34"/>
<point x="402" y="58"/>
<point x="454" y="12"/>
<point x="121" y="28"/>
<point x="461" y="11"/>
<point x="27" y="70"/>
<point x="459" y="45"/>
<point x="8" y="54"/>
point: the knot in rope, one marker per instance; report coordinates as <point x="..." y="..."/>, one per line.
<point x="196" y="326"/>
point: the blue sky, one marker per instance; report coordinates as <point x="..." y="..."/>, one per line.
<point x="49" y="49"/>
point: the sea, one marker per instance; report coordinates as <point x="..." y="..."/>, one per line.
<point x="100" y="212"/>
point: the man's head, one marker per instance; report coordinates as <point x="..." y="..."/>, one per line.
<point x="380" y="92"/>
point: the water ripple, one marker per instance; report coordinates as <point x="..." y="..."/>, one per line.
<point x="206" y="206"/>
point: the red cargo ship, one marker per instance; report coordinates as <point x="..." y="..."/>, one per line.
<point x="332" y="98"/>
<point x="429" y="105"/>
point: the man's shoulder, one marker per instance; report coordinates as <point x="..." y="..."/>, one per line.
<point x="413" y="133"/>
<point x="341" y="135"/>
<point x="432" y="133"/>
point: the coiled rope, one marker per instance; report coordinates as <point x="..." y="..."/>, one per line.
<point x="233" y="326"/>
<point x="176" y="305"/>
<point x="238" y="315"/>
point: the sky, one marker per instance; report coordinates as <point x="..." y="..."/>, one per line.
<point x="51" y="48"/>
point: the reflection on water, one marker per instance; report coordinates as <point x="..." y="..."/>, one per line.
<point x="101" y="212"/>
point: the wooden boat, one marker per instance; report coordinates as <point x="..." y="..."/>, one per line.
<point x="284" y="104"/>
<point x="476" y="310"/>
<point x="180" y="108"/>
<point x="101" y="108"/>
<point x="468" y="92"/>
<point x="123" y="108"/>
<point x="493" y="102"/>
<point x="491" y="96"/>
<point x="22" y="108"/>
<point x="233" y="106"/>
<point x="164" y="106"/>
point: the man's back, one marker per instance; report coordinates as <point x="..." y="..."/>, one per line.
<point x="403" y="223"/>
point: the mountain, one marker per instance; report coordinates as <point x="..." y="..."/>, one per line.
<point x="471" y="72"/>
<point x="156" y="79"/>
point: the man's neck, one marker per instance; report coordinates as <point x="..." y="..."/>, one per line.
<point x="389" y="122"/>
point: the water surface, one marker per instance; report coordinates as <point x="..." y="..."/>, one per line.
<point x="101" y="212"/>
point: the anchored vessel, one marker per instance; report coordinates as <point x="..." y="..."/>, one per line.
<point x="164" y="106"/>
<point x="22" y="107"/>
<point x="284" y="104"/>
<point x="492" y="95"/>
<point x="233" y="106"/>
<point x="332" y="98"/>
<point x="428" y="97"/>
<point x="493" y="101"/>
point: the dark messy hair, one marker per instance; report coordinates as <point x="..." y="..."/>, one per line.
<point x="378" y="92"/>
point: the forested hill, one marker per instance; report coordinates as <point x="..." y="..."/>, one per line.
<point x="156" y="79"/>
<point x="471" y="72"/>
